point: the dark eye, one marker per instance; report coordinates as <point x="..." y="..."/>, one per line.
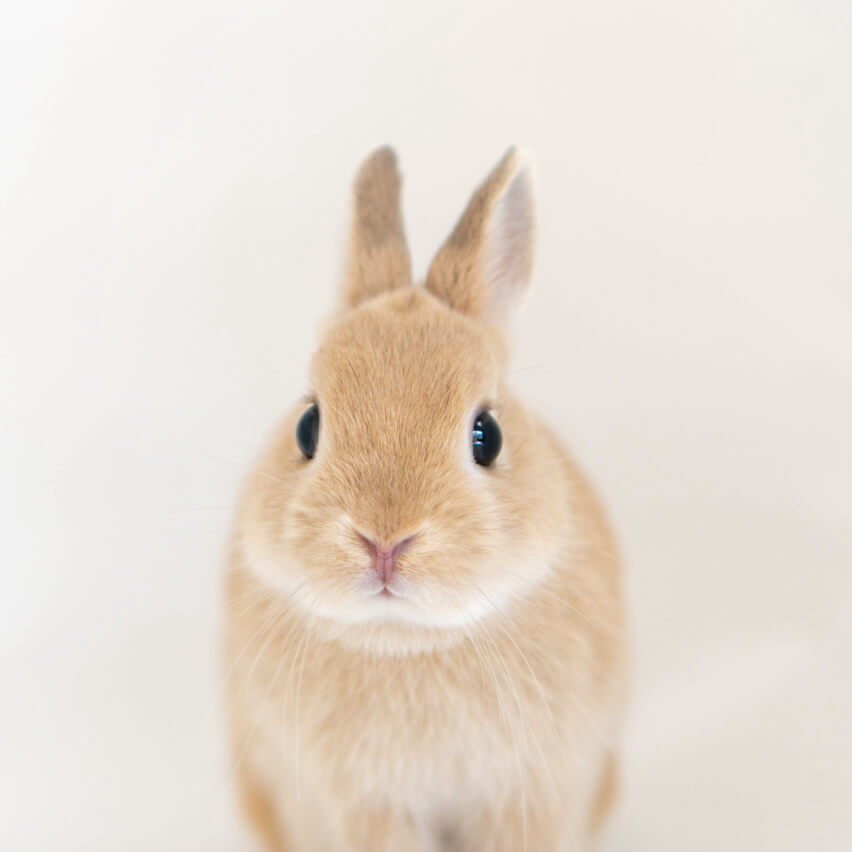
<point x="487" y="439"/>
<point x="307" y="430"/>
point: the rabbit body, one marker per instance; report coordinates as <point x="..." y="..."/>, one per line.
<point x="423" y="653"/>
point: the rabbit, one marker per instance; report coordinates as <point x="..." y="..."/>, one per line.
<point x="424" y="617"/>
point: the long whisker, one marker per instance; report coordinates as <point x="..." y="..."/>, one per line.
<point x="522" y="719"/>
<point x="501" y="704"/>
<point x="557" y="797"/>
<point x="265" y="624"/>
<point x="583" y="711"/>
<point x="601" y="631"/>
<point x="281" y="657"/>
<point x="303" y="648"/>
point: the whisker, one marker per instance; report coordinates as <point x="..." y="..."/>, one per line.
<point x="264" y="702"/>
<point x="558" y="801"/>
<point x="301" y="651"/>
<point x="266" y="624"/>
<point x="498" y="695"/>
<point x="601" y="631"/>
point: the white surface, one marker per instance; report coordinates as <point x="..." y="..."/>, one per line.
<point x="173" y="184"/>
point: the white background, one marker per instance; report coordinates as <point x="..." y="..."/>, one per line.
<point x="173" y="189"/>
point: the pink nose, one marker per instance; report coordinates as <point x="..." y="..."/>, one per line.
<point x="384" y="558"/>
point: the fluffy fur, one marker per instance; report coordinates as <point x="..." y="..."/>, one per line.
<point x="478" y="709"/>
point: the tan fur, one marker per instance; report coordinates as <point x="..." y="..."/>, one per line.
<point x="457" y="274"/>
<point x="378" y="256"/>
<point x="481" y="712"/>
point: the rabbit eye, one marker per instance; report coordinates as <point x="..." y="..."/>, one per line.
<point x="487" y="439"/>
<point x="307" y="431"/>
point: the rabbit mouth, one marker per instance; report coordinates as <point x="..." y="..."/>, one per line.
<point x="385" y="591"/>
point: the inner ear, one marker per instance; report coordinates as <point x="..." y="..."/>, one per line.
<point x="485" y="267"/>
<point x="378" y="259"/>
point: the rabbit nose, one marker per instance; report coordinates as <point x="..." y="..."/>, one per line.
<point x="385" y="556"/>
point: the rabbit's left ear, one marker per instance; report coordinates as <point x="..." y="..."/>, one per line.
<point x="485" y="267"/>
<point x="378" y="258"/>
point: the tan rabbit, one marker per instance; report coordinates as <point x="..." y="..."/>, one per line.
<point x="424" y="623"/>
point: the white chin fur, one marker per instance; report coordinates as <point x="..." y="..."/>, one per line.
<point x="415" y="609"/>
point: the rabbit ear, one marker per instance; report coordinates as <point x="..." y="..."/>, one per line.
<point x="484" y="268"/>
<point x="378" y="258"/>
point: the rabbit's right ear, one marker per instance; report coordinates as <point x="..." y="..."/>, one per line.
<point x="378" y="258"/>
